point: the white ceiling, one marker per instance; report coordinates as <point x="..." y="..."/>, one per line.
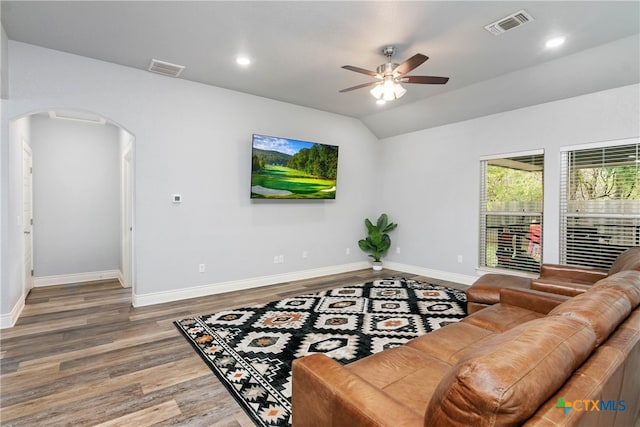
<point x="298" y="47"/>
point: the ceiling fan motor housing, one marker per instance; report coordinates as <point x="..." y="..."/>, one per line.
<point x="386" y="69"/>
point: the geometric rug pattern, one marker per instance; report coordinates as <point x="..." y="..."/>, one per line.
<point x="250" y="349"/>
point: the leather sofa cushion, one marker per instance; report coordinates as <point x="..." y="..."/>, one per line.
<point x="609" y="374"/>
<point x="472" y="307"/>
<point x="603" y="309"/>
<point x="501" y="317"/>
<point x="560" y="286"/>
<point x="451" y="343"/>
<point x="404" y="373"/>
<point x="486" y="289"/>
<point x="627" y="260"/>
<point x="627" y="282"/>
<point x="542" y="302"/>
<point x="508" y="378"/>
<point x="572" y="273"/>
<point x="324" y="393"/>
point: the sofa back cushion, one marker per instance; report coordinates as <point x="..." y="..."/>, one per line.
<point x="627" y="282"/>
<point x="627" y="260"/>
<point x="512" y="374"/>
<point x="603" y="309"/>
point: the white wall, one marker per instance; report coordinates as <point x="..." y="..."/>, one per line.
<point x="432" y="176"/>
<point x="195" y="140"/>
<point x="4" y="63"/>
<point x="76" y="196"/>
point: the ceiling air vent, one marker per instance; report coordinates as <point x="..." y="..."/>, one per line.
<point x="165" y="68"/>
<point x="510" y="22"/>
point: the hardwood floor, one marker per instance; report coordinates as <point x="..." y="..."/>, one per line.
<point x="82" y="355"/>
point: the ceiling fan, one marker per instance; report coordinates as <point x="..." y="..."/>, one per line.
<point x="388" y="76"/>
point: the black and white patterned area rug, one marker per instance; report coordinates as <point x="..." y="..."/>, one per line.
<point x="251" y="349"/>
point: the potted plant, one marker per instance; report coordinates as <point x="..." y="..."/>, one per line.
<point x="377" y="241"/>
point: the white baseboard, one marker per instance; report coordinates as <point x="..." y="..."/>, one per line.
<point x="64" y="279"/>
<point x="427" y="272"/>
<point x="140" y="300"/>
<point x="10" y="319"/>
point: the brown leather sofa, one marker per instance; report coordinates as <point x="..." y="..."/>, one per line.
<point x="572" y="280"/>
<point x="555" y="278"/>
<point x="534" y="358"/>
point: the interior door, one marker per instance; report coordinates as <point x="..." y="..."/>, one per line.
<point x="27" y="215"/>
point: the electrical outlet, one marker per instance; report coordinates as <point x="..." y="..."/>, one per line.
<point x="398" y="249"/>
<point x="201" y="268"/>
<point x="347" y="251"/>
<point x="281" y="259"/>
<point x="278" y="259"/>
<point x="460" y="259"/>
<point x="305" y="254"/>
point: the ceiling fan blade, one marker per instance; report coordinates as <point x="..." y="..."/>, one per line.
<point x="429" y="80"/>
<point x="411" y="63"/>
<point x="360" y="70"/>
<point x="358" y="87"/>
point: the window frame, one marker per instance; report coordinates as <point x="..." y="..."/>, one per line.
<point x="609" y="219"/>
<point x="484" y="213"/>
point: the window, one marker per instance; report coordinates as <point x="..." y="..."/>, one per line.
<point x="511" y="211"/>
<point x="599" y="202"/>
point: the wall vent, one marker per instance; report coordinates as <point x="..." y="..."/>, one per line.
<point x="510" y="22"/>
<point x="165" y="68"/>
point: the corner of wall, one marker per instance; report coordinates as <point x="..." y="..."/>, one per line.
<point x="9" y="320"/>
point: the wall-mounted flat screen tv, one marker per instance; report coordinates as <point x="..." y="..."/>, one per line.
<point x="283" y="168"/>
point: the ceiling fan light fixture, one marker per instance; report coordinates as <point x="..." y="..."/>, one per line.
<point x="388" y="89"/>
<point x="377" y="92"/>
<point x="382" y="102"/>
<point x="399" y="91"/>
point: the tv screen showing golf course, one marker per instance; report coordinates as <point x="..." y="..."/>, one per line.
<point x="283" y="168"/>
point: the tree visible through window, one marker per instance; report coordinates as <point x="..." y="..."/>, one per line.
<point x="600" y="203"/>
<point x="511" y="212"/>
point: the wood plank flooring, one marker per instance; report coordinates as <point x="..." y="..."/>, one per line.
<point x="81" y="355"/>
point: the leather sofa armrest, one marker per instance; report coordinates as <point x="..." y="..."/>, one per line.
<point x="325" y="393"/>
<point x="572" y="273"/>
<point x="560" y="287"/>
<point x="541" y="302"/>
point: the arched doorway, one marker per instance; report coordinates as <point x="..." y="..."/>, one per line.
<point x="82" y="197"/>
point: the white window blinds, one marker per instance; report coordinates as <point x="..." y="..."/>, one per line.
<point x="599" y="202"/>
<point x="511" y="211"/>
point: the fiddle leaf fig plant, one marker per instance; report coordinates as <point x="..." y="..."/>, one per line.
<point x="377" y="241"/>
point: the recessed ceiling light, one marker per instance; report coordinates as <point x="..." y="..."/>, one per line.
<point x="554" y="42"/>
<point x="243" y="60"/>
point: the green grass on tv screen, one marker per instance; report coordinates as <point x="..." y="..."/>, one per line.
<point x="281" y="182"/>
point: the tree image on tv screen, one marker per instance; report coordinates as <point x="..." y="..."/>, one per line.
<point x="290" y="169"/>
<point x="319" y="160"/>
